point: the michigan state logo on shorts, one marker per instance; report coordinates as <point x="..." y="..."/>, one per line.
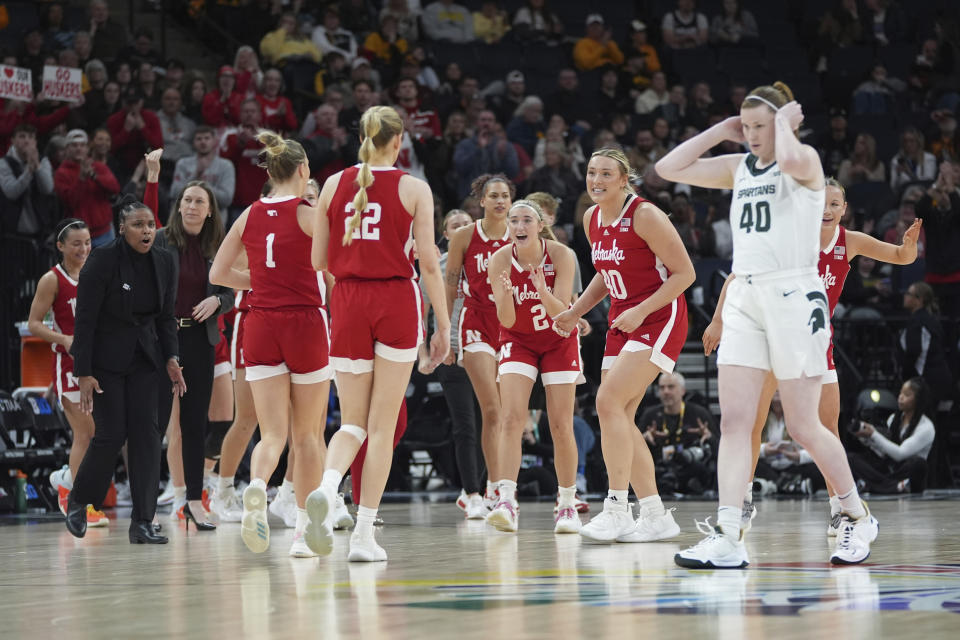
<point x="818" y="317"/>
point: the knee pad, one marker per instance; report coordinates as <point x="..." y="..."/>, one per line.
<point x="357" y="432"/>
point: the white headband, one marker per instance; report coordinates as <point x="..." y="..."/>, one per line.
<point x="64" y="230"/>
<point x="764" y="101"/>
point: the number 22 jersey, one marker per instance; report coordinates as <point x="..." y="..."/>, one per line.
<point x="382" y="246"/>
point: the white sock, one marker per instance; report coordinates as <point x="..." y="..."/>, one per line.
<point x="207" y="472"/>
<point x="652" y="505"/>
<point x="851" y="504"/>
<point x="365" y="519"/>
<point x="748" y="496"/>
<point x="302" y="520"/>
<point x="331" y="479"/>
<point x="619" y="497"/>
<point x="491" y="489"/>
<point x="728" y="519"/>
<point x="225" y="484"/>
<point x="834" y="505"/>
<point x="508" y="490"/>
<point x="568" y="496"/>
<point x="179" y="493"/>
<point x="286" y="490"/>
<point x="258" y="483"/>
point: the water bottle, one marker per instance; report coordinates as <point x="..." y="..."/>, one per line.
<point x="21" y="492"/>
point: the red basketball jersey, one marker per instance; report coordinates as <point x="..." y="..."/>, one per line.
<point x="531" y="315"/>
<point x="278" y="253"/>
<point x="476" y="284"/>
<point x="64" y="305"/>
<point x="241" y="301"/>
<point x="630" y="269"/>
<point x="834" y="266"/>
<point x="382" y="246"/>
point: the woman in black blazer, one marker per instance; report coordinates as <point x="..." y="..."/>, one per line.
<point x="192" y="236"/>
<point x="125" y="333"/>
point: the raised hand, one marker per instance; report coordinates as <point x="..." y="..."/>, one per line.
<point x="792" y="113"/>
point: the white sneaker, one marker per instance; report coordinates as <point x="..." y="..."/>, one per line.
<point x="490" y="500"/>
<point x="716" y="551"/>
<point x="177" y="511"/>
<point x="476" y="510"/>
<point x="166" y="496"/>
<point x="254" y="528"/>
<point x="365" y="549"/>
<point x="504" y="516"/>
<point x="834" y="527"/>
<point x="124" y="499"/>
<point x="285" y="508"/>
<point x="650" y="528"/>
<point x="299" y="548"/>
<point x="319" y="532"/>
<point x="462" y="500"/>
<point x="567" y="521"/>
<point x="854" y="538"/>
<point x="747" y="514"/>
<point x="341" y="517"/>
<point x="614" y="521"/>
<point x="227" y="505"/>
<point x="58" y="477"/>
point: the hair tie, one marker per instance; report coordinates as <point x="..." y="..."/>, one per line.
<point x="764" y="101"/>
<point x="67" y="226"/>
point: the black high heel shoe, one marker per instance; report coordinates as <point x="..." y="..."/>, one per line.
<point x="188" y="518"/>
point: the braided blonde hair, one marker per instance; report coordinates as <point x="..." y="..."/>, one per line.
<point x="378" y="126"/>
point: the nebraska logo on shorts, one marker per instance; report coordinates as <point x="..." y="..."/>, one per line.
<point x="473" y="336"/>
<point x="505" y="349"/>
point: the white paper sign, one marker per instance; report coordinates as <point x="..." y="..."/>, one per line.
<point x="16" y="83"/>
<point x="62" y="83"/>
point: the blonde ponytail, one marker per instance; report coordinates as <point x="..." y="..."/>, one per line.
<point x="378" y="125"/>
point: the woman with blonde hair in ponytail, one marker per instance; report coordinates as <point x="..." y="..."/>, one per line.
<point x="285" y="339"/>
<point x="532" y="281"/>
<point x="776" y="314"/>
<point x="641" y="264"/>
<point x="369" y="218"/>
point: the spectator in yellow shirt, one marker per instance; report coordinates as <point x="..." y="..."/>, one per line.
<point x="490" y="24"/>
<point x="295" y="54"/>
<point x="385" y="45"/>
<point x="597" y="48"/>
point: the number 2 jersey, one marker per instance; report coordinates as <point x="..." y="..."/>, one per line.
<point x="775" y="220"/>
<point x="278" y="252"/>
<point x="382" y="246"/>
<point x="531" y="316"/>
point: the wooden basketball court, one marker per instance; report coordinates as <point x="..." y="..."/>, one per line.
<point x="452" y="578"/>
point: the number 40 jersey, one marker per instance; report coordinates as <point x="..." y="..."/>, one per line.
<point x="382" y="246"/>
<point x="775" y="220"/>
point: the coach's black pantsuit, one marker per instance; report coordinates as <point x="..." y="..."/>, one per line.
<point x="124" y="336"/>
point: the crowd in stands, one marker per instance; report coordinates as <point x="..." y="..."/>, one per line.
<point x="308" y="69"/>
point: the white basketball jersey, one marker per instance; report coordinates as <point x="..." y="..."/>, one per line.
<point x="775" y="220"/>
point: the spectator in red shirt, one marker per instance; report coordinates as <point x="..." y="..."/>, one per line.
<point x="84" y="186"/>
<point x="135" y="131"/>
<point x="221" y="107"/>
<point x="243" y="149"/>
<point x="426" y="124"/>
<point x="276" y="110"/>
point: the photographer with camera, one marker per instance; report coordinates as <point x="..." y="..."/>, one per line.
<point x="896" y="459"/>
<point x="682" y="438"/>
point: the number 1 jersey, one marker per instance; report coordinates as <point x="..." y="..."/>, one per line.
<point x="775" y="220"/>
<point x="278" y="252"/>
<point x="382" y="246"/>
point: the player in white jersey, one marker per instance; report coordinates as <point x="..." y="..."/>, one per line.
<point x="776" y="314"/>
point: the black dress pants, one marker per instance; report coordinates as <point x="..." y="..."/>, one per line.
<point x="196" y="358"/>
<point x="126" y="411"/>
<point x="462" y="404"/>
